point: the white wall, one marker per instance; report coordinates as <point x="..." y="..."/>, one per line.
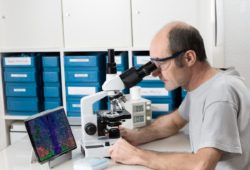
<point x="237" y="36"/>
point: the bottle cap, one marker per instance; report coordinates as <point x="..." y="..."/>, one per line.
<point x="135" y="93"/>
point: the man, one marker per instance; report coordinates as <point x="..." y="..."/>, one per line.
<point x="217" y="108"/>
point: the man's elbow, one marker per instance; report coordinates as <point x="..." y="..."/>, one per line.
<point x="204" y="165"/>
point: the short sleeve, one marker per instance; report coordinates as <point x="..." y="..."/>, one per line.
<point x="184" y="108"/>
<point x="220" y="128"/>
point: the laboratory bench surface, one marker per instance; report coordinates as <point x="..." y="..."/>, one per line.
<point x="18" y="155"/>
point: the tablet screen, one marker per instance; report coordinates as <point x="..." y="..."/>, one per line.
<point x="50" y="134"/>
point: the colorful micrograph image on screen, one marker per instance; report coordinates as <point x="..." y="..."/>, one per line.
<point x="50" y="135"/>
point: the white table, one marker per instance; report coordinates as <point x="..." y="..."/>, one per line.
<point x="18" y="155"/>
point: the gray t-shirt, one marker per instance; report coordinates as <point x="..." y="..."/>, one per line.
<point x="218" y="112"/>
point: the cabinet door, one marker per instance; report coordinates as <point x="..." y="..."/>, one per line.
<point x="97" y="23"/>
<point x="149" y="16"/>
<point x="2" y="17"/>
<point x="29" y="24"/>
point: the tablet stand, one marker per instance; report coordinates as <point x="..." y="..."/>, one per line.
<point x="56" y="161"/>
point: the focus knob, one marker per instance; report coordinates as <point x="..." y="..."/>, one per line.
<point x="90" y="128"/>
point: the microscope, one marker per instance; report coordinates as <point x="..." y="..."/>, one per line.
<point x="100" y="129"/>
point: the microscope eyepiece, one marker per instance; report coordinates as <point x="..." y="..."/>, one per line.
<point x="133" y="76"/>
<point x="146" y="69"/>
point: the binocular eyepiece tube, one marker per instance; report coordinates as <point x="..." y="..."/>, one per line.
<point x="133" y="76"/>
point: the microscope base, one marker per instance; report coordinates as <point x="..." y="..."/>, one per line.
<point x="97" y="149"/>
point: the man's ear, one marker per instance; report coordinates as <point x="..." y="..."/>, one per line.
<point x="190" y="57"/>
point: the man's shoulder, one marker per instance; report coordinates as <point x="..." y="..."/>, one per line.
<point x="225" y="88"/>
<point x="227" y="82"/>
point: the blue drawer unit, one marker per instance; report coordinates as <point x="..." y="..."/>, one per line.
<point x="154" y="90"/>
<point x="51" y="76"/>
<point x="19" y="61"/>
<point x="25" y="90"/>
<point x="83" y="76"/>
<point x="82" y="60"/>
<point x="52" y="81"/>
<point x="22" y="78"/>
<point x="19" y="76"/>
<point x="51" y="103"/>
<point x="18" y="104"/>
<point x="73" y="107"/>
<point x="52" y="90"/>
<point x="51" y="61"/>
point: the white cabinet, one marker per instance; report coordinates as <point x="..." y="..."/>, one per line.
<point x="97" y="23"/>
<point x="30" y="24"/>
<point x="1" y="23"/>
<point x="149" y="16"/>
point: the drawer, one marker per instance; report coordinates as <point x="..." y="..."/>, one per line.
<point x="154" y="90"/>
<point x="73" y="114"/>
<point x="52" y="91"/>
<point x="139" y="60"/>
<point x="51" y="103"/>
<point x="81" y="89"/>
<point x="82" y="76"/>
<point x="19" y="61"/>
<point x="162" y="107"/>
<point x="121" y="60"/>
<point x="50" y="61"/>
<point x="152" y="79"/>
<point x="19" y="76"/>
<point x="23" y="104"/>
<point x="73" y="105"/>
<point x="121" y="70"/>
<point x="82" y="60"/>
<point x="51" y="76"/>
<point x="29" y="90"/>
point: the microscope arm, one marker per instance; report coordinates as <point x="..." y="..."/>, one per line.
<point x="88" y="101"/>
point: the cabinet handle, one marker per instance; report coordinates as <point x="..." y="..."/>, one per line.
<point x="67" y="14"/>
<point x="3" y="17"/>
<point x="138" y="12"/>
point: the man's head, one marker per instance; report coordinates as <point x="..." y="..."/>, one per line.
<point x="176" y="49"/>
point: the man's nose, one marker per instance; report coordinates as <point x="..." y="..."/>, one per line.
<point x="156" y="73"/>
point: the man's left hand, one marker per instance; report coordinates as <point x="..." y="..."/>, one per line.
<point x="124" y="152"/>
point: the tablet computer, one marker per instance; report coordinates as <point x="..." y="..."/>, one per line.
<point x="50" y="134"/>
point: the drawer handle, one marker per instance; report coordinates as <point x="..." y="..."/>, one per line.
<point x="76" y="105"/>
<point x="74" y="60"/>
<point x="19" y="90"/>
<point x="19" y="75"/>
<point x="80" y="75"/>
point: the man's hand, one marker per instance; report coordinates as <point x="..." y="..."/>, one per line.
<point x="124" y="152"/>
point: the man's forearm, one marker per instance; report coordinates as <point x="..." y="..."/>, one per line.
<point x="160" y="128"/>
<point x="205" y="159"/>
<point x="171" y="161"/>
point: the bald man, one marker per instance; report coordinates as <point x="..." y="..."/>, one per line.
<point x="217" y="107"/>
